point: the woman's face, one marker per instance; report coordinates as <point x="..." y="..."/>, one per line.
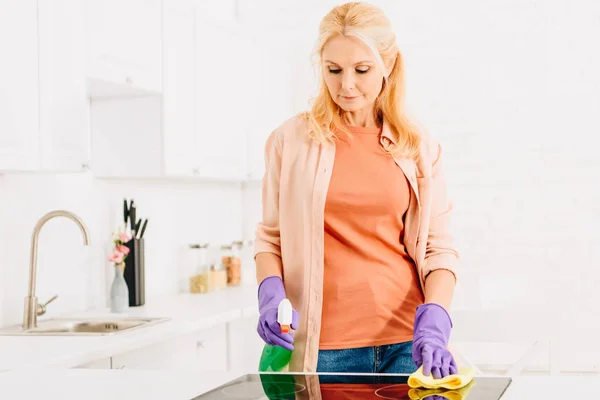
<point x="351" y="73"/>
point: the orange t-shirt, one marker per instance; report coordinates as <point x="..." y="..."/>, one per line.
<point x="371" y="287"/>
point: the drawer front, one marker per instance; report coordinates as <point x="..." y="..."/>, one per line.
<point x="203" y="350"/>
<point x="211" y="348"/>
<point x="245" y="346"/>
<point x="173" y="354"/>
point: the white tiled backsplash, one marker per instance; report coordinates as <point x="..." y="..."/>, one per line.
<point x="178" y="213"/>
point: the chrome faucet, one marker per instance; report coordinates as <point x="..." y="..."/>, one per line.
<point x="32" y="308"/>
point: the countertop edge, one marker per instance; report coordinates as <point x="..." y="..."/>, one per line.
<point x="165" y="331"/>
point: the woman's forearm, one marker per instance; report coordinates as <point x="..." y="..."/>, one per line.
<point x="268" y="264"/>
<point x="439" y="287"/>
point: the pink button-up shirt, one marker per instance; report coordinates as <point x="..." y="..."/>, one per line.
<point x="294" y="189"/>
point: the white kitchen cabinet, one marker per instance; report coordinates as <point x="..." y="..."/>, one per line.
<point x="244" y="345"/>
<point x="103" y="363"/>
<point x="271" y="82"/>
<point x="205" y="350"/>
<point x="124" y="55"/>
<point x="179" y="84"/>
<point x="126" y="137"/>
<point x="224" y="91"/>
<point x="64" y="106"/>
<point x="211" y="349"/>
<point x="173" y="354"/>
<point x="223" y="100"/>
<point x="153" y="136"/>
<point x="43" y="105"/>
<point x="199" y="126"/>
<point x="19" y="115"/>
<point x="223" y="13"/>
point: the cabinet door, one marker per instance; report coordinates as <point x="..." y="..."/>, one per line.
<point x="19" y="123"/>
<point x="127" y="137"/>
<point x="125" y="46"/>
<point x="179" y="87"/>
<point x="211" y="349"/>
<point x="204" y="350"/>
<point x="64" y="106"/>
<point x="222" y="99"/>
<point x="174" y="354"/>
<point x="103" y="363"/>
<point x="244" y="345"/>
<point x="271" y="78"/>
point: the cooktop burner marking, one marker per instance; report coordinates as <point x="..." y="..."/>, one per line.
<point x="254" y="390"/>
<point x="401" y="387"/>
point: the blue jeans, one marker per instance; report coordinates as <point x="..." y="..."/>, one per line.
<point x="387" y="359"/>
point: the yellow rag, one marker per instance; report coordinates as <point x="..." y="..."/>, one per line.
<point x="450" y="394"/>
<point x="456" y="381"/>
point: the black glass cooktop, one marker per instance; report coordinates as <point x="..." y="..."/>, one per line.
<point x="280" y="386"/>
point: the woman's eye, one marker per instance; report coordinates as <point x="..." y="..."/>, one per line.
<point x="335" y="71"/>
<point x="362" y="70"/>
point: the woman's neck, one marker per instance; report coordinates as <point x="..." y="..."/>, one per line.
<point x="363" y="118"/>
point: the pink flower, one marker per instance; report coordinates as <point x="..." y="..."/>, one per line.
<point x="116" y="257"/>
<point x="123" y="237"/>
<point x="123" y="249"/>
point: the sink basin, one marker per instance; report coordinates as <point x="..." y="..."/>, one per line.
<point x="82" y="326"/>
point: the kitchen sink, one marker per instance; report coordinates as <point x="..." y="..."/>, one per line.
<point x="82" y="326"/>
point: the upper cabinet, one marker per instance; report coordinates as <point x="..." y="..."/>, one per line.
<point x="64" y="110"/>
<point x="154" y="136"/>
<point x="270" y="80"/>
<point x="43" y="103"/>
<point x="19" y="118"/>
<point x="199" y="126"/>
<point x="224" y="101"/>
<point x="124" y="47"/>
<point x="138" y="89"/>
<point x="179" y="88"/>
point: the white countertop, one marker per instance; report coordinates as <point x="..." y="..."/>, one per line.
<point x="112" y="384"/>
<point x="188" y="313"/>
<point x="179" y="385"/>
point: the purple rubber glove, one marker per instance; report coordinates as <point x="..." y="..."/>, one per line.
<point x="270" y="293"/>
<point x="431" y="335"/>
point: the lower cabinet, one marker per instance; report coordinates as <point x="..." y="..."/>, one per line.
<point x="103" y="363"/>
<point x="205" y="350"/>
<point x="232" y="346"/>
<point x="244" y="345"/>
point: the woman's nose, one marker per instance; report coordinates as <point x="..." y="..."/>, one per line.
<point x="348" y="81"/>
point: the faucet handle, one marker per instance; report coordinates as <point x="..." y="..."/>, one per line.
<point x="42" y="307"/>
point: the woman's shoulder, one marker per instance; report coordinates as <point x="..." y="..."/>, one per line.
<point x="293" y="128"/>
<point x="430" y="146"/>
<point x="430" y="152"/>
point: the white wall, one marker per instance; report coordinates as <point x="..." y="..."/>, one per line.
<point x="178" y="213"/>
<point x="511" y="90"/>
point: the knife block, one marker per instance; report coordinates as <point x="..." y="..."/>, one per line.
<point x="134" y="273"/>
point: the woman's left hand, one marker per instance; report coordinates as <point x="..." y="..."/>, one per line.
<point x="431" y="333"/>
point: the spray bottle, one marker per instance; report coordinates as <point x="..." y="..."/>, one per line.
<point x="276" y="358"/>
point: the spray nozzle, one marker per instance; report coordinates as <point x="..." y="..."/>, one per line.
<point x="284" y="315"/>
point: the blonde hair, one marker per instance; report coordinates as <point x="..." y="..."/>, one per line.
<point x="369" y="24"/>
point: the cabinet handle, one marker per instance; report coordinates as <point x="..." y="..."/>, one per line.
<point x="195" y="171"/>
<point x="85" y="167"/>
<point x="129" y="79"/>
<point x="199" y="344"/>
<point x="121" y="367"/>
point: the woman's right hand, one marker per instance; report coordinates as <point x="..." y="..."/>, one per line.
<point x="270" y="294"/>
